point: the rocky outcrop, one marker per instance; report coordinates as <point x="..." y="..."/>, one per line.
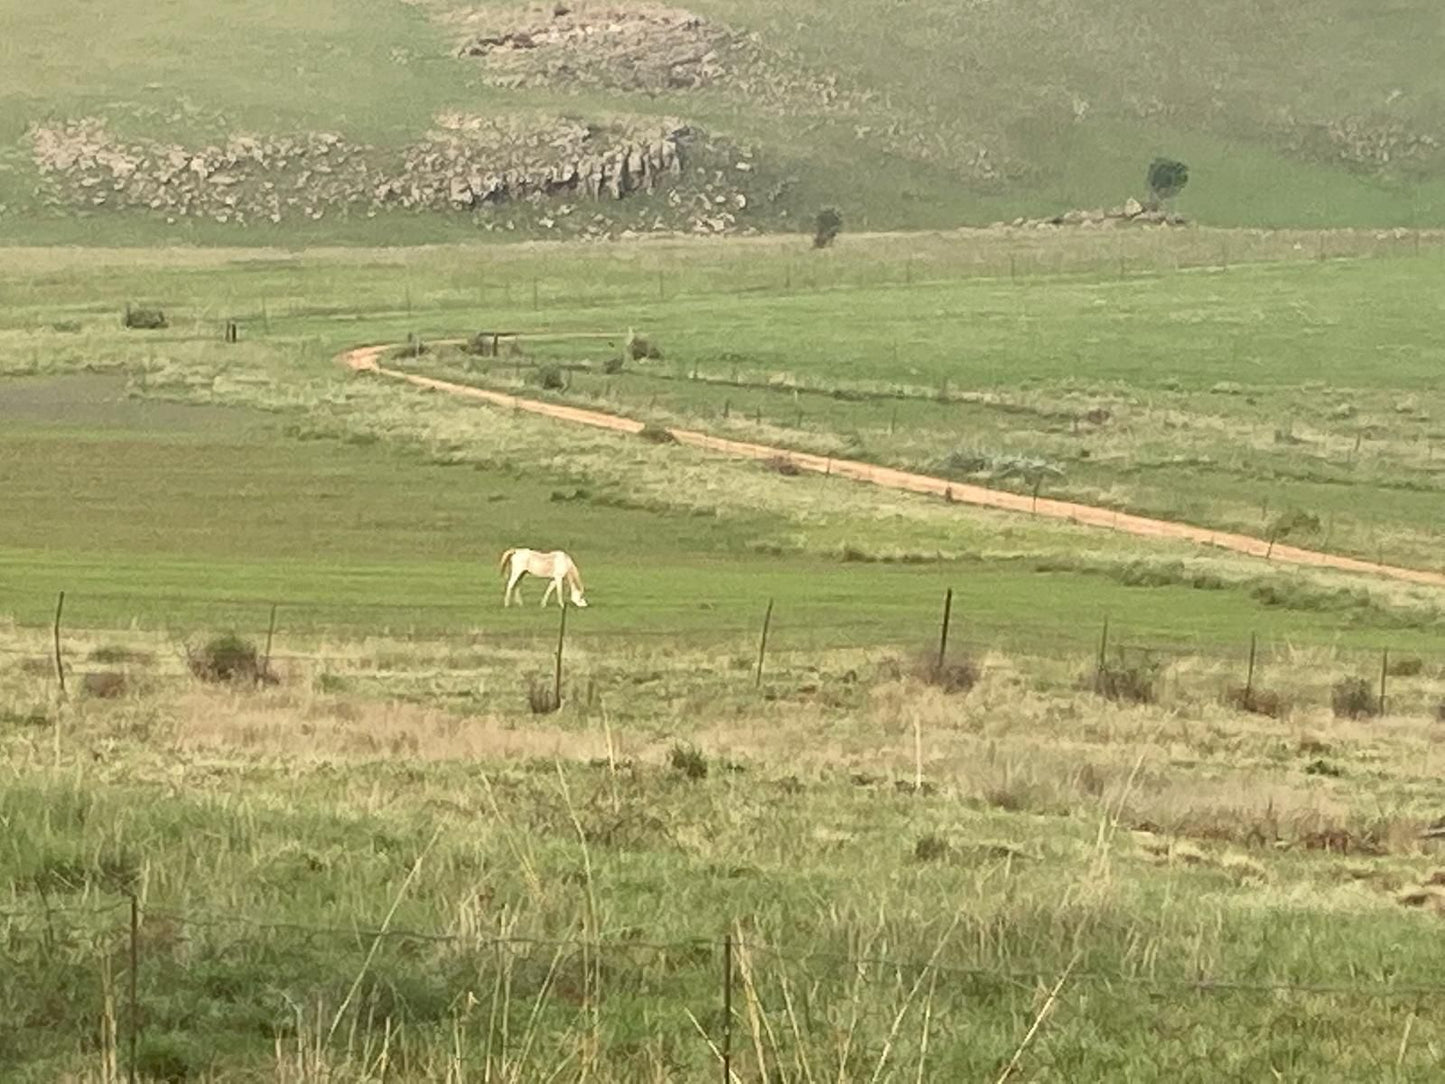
<point x="1131" y="213"/>
<point x="467" y="164"/>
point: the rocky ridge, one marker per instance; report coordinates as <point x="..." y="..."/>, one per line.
<point x="486" y="166"/>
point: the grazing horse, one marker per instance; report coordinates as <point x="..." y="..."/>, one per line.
<point x="555" y="566"/>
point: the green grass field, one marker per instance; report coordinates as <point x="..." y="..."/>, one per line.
<point x="385" y="866"/>
<point x="951" y="116"/>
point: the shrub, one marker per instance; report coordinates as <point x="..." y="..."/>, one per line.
<point x="144" y="319"/>
<point x="827" y="226"/>
<point x="229" y="658"/>
<point x="1405" y="666"/>
<point x="104" y="684"/>
<point x="1257" y="701"/>
<point x="66" y="327"/>
<point x="541" y="697"/>
<point x="1166" y="179"/>
<point x="412" y="348"/>
<point x="614" y="364"/>
<point x="1354" y="698"/>
<point x="119" y="655"/>
<point x="687" y="760"/>
<point x="953" y="676"/>
<point x="483" y="344"/>
<point x="640" y="347"/>
<point x="1440" y="712"/>
<point x="657" y="434"/>
<point x="781" y="464"/>
<point x="1125" y="683"/>
<point x="549" y="377"/>
<point x="931" y="848"/>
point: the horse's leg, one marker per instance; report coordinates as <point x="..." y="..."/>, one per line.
<point x="512" y="587"/>
<point x="551" y="586"/>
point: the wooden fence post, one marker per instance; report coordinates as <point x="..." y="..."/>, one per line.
<point x="763" y="645"/>
<point x="943" y="629"/>
<point x="1384" y="677"/>
<point x="1249" y="674"/>
<point x="270" y="636"/>
<point x="1103" y="650"/>
<point x="133" y="1023"/>
<point x="727" y="1021"/>
<point x="561" y="641"/>
<point x="59" y="663"/>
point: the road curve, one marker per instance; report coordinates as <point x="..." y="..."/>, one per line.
<point x="367" y="359"/>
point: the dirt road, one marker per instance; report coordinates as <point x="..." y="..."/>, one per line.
<point x="366" y="358"/>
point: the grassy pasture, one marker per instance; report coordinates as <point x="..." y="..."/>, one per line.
<point x="1214" y="893"/>
<point x="953" y="115"/>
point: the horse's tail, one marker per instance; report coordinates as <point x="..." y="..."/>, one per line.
<point x="506" y="556"/>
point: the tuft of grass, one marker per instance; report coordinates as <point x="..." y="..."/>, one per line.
<point x="954" y="675"/>
<point x="120" y="655"/>
<point x="144" y="319"/>
<point x="931" y="848"/>
<point x="548" y="377"/>
<point x="229" y="658"/>
<point x="541" y="697"/>
<point x="1405" y="666"/>
<point x="104" y="684"/>
<point x="688" y="761"/>
<point x="641" y="348"/>
<point x="782" y="464"/>
<point x="656" y="434"/>
<point x="1354" y="698"/>
<point x="1128" y="683"/>
<point x="1257" y="701"/>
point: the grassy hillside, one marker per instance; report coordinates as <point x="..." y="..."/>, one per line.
<point x="932" y="114"/>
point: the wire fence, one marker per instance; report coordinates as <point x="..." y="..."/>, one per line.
<point x="152" y="966"/>
<point x="776" y="645"/>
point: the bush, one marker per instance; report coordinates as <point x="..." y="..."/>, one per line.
<point x="144" y="319"/>
<point x="931" y="848"/>
<point x="953" y="676"/>
<point x="827" y="226"/>
<point x="229" y="658"/>
<point x="1405" y="666"/>
<point x="1128" y="684"/>
<point x="484" y="344"/>
<point x="412" y="348"/>
<point x="1440" y="712"/>
<point x="104" y="684"/>
<point x="119" y="655"/>
<point x="541" y="697"/>
<point x="657" y="434"/>
<point x="687" y="760"/>
<point x="1257" y="701"/>
<point x="640" y="347"/>
<point x="614" y="364"/>
<point x="66" y="327"/>
<point x="1354" y="698"/>
<point x="781" y="464"/>
<point x="1166" y="178"/>
<point x="549" y="377"/>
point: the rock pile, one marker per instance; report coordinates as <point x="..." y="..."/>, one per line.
<point x="633" y="46"/>
<point x="1132" y="212"/>
<point x="627" y="47"/>
<point x="468" y="164"/>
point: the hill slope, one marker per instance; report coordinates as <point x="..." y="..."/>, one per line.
<point x="381" y="119"/>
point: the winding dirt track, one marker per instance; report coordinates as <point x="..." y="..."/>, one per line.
<point x="366" y="359"/>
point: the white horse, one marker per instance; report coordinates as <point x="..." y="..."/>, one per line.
<point x="555" y="566"/>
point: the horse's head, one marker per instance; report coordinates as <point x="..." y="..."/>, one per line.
<point x="577" y="599"/>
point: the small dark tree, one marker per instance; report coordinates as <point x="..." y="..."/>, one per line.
<point x="827" y="226"/>
<point x="1166" y="179"/>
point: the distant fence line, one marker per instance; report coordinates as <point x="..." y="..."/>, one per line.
<point x="1120" y="666"/>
